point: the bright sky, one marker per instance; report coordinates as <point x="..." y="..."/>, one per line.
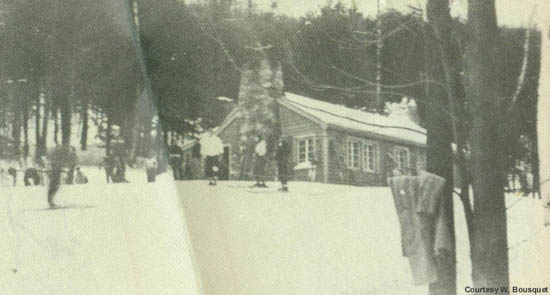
<point x="509" y="12"/>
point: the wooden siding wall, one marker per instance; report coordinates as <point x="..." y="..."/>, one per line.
<point x="231" y="136"/>
<point x="295" y="126"/>
<point x="338" y="167"/>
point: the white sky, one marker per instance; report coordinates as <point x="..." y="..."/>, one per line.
<point x="509" y="12"/>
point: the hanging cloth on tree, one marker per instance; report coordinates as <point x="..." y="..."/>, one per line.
<point x="424" y="233"/>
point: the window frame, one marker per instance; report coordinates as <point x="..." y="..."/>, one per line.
<point x="359" y="142"/>
<point x="396" y="151"/>
<point x="365" y="157"/>
<point x="306" y="138"/>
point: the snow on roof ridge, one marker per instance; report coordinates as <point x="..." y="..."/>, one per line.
<point x="396" y="126"/>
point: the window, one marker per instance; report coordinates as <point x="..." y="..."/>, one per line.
<point x="353" y="154"/>
<point x="402" y="158"/>
<point x="306" y="150"/>
<point x="370" y="156"/>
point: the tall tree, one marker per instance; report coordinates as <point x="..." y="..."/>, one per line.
<point x="490" y="246"/>
<point x="439" y="126"/>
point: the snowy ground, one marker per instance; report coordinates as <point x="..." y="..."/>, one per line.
<point x="317" y="239"/>
<point x="330" y="239"/>
<point x="121" y="239"/>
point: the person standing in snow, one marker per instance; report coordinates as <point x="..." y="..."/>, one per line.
<point x="151" y="168"/>
<point x="109" y="165"/>
<point x="192" y="169"/>
<point x="259" y="164"/>
<point x="211" y="148"/>
<point x="176" y="160"/>
<point x="283" y="155"/>
<point x="61" y="156"/>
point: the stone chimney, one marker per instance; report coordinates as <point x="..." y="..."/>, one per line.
<point x="412" y="111"/>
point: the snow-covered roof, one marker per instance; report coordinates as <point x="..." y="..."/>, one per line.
<point x="396" y="126"/>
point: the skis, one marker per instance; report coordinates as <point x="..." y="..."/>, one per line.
<point x="63" y="207"/>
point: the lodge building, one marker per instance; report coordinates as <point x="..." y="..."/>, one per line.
<point x="340" y="144"/>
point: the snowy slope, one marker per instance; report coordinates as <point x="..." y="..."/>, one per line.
<point x="131" y="240"/>
<point x="329" y="239"/>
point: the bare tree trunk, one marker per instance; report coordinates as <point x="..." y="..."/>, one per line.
<point x="55" y="112"/>
<point x="44" y="137"/>
<point x="439" y="128"/>
<point x="490" y="247"/>
<point x="16" y="134"/>
<point x="438" y="13"/>
<point x="37" y="125"/>
<point x="16" y="124"/>
<point x="66" y="115"/>
<point x="25" y="132"/>
<point x="84" y="134"/>
<point x="108" y="136"/>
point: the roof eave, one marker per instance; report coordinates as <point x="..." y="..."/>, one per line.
<point x="308" y="116"/>
<point x="389" y="138"/>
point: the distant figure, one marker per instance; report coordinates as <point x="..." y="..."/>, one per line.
<point x="151" y="168"/>
<point x="13" y="172"/>
<point x="61" y="156"/>
<point x="176" y="160"/>
<point x="31" y="174"/>
<point x="80" y="177"/>
<point x="260" y="161"/>
<point x="109" y="165"/>
<point x="119" y="170"/>
<point x="283" y="156"/>
<point x="120" y="157"/>
<point x="212" y="148"/>
<point x="192" y="166"/>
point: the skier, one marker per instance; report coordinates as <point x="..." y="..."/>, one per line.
<point x="151" y="168"/>
<point x="61" y="156"/>
<point x="176" y="160"/>
<point x="212" y="148"/>
<point x="109" y="165"/>
<point x="259" y="163"/>
<point x="192" y="169"/>
<point x="283" y="155"/>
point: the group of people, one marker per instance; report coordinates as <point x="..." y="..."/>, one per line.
<point x="282" y="157"/>
<point x="61" y="161"/>
<point x="211" y="147"/>
<point x="40" y="172"/>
